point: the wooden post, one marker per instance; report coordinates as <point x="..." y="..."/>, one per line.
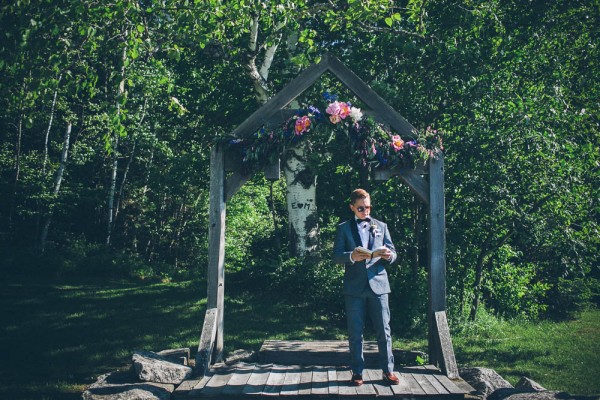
<point x="445" y="344"/>
<point x="437" y="253"/>
<point x="273" y="171"/>
<point x="207" y="342"/>
<point x="216" y="243"/>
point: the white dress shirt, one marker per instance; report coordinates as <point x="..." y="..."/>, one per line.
<point x="363" y="232"/>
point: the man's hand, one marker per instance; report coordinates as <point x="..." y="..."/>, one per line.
<point x="386" y="254"/>
<point x="358" y="256"/>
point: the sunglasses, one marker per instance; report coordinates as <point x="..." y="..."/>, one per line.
<point x="363" y="208"/>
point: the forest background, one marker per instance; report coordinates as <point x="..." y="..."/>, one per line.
<point x="109" y="110"/>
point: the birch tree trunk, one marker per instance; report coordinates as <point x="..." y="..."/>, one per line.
<point x="17" y="166"/>
<point x="301" y="202"/>
<point x="115" y="154"/>
<point x="301" y="180"/>
<point x="50" y="125"/>
<point x="57" y="182"/>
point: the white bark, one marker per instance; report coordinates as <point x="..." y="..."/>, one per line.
<point x="301" y="181"/>
<point x="57" y="182"/>
<point x="301" y="202"/>
<point x="269" y="55"/>
<point x="115" y="160"/>
<point x="50" y="126"/>
<point x="112" y="188"/>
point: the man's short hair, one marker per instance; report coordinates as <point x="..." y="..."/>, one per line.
<point x="358" y="194"/>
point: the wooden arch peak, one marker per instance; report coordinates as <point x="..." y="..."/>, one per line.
<point x="274" y="113"/>
<point x="227" y="178"/>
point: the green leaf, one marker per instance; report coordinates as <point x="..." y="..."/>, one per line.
<point x="140" y="28"/>
<point x="389" y="21"/>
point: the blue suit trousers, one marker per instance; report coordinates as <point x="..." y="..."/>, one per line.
<point x="377" y="307"/>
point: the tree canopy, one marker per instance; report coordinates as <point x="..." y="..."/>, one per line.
<point x="109" y="111"/>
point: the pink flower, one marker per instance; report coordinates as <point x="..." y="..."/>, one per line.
<point x="344" y="110"/>
<point x="335" y="118"/>
<point x="333" y="108"/>
<point x="397" y="142"/>
<point x="302" y="125"/>
<point x="373" y="149"/>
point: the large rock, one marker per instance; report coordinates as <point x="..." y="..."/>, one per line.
<point x="527" y="385"/>
<point x="178" y="356"/>
<point x="151" y="367"/>
<point x="516" y="394"/>
<point x="118" y="386"/>
<point x="484" y="380"/>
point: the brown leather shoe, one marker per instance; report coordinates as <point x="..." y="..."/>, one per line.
<point x="357" y="379"/>
<point x="390" y="378"/>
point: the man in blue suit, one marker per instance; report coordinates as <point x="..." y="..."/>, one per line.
<point x="366" y="285"/>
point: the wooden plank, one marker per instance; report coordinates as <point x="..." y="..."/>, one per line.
<point x="345" y="388"/>
<point x="333" y="382"/>
<point x="325" y="352"/>
<point x="375" y="378"/>
<point x="450" y="386"/>
<point x="411" y="178"/>
<point x="234" y="182"/>
<point x="273" y="171"/>
<point x="441" y="389"/>
<point x="275" y="381"/>
<point x="371" y="98"/>
<point x="239" y="379"/>
<point x="184" y="388"/>
<point x="257" y="380"/>
<point x="427" y="387"/>
<point x="413" y="386"/>
<point x="320" y="384"/>
<point x="303" y="81"/>
<point x="215" y="386"/>
<point x="197" y="389"/>
<point x="207" y="341"/>
<point x="416" y="183"/>
<point x="305" y="382"/>
<point x="216" y="243"/>
<point x="437" y="253"/>
<point x="366" y="389"/>
<point x="291" y="382"/>
<point x="403" y="389"/>
<point x="443" y="337"/>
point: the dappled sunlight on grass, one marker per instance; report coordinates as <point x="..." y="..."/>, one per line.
<point x="561" y="356"/>
<point x="58" y="337"/>
<point x="61" y="336"/>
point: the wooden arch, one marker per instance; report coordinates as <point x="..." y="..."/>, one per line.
<point x="226" y="178"/>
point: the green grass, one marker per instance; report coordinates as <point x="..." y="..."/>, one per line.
<point x="562" y="356"/>
<point x="56" y="337"/>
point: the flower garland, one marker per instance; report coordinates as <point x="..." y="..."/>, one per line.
<point x="372" y="142"/>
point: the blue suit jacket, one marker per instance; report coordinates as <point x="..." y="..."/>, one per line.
<point x="360" y="274"/>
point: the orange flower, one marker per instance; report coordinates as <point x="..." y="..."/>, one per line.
<point x="344" y="110"/>
<point x="397" y="142"/>
<point x="302" y="125"/>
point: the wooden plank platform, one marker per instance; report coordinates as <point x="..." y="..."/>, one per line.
<point x="300" y="381"/>
<point x="325" y="352"/>
<point x="250" y="380"/>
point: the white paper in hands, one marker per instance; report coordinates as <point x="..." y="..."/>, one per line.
<point x="364" y="250"/>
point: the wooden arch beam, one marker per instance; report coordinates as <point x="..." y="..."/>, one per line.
<point x="370" y="97"/>
<point x="223" y="187"/>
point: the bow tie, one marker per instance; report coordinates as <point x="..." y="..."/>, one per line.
<point x="360" y="221"/>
